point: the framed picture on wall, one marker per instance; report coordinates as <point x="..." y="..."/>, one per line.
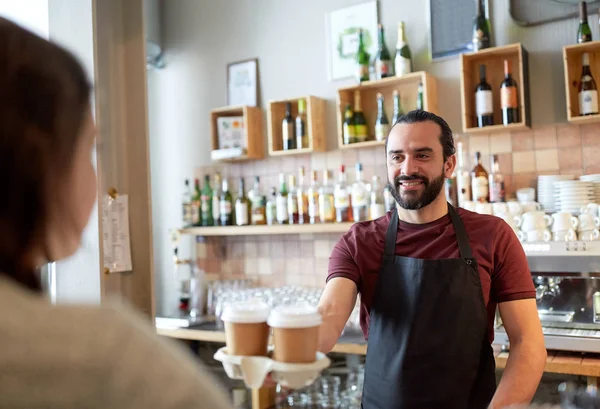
<point x="342" y="33"/>
<point x="242" y="83"/>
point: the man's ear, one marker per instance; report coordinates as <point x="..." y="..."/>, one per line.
<point x="449" y="166"/>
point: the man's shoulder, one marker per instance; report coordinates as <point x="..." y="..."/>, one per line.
<point x="369" y="227"/>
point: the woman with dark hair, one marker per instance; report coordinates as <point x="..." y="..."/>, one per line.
<point x="66" y="356"/>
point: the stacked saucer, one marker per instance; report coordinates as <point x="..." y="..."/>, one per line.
<point x="545" y="190"/>
<point x="571" y="195"/>
<point x="596" y="180"/>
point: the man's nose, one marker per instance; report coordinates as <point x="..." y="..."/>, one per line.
<point x="410" y="166"/>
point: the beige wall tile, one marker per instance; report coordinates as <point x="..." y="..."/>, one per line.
<point x="523" y="161"/>
<point x="545" y="137"/>
<point x="277" y="249"/>
<point x="501" y="143"/>
<point x="505" y="162"/>
<point x="293" y="265"/>
<point x="251" y="265"/>
<point x="322" y="249"/>
<point x="479" y="143"/>
<point x="590" y="134"/>
<point x="591" y="157"/>
<point x="570" y="158"/>
<point x="201" y="250"/>
<point x="521" y="180"/>
<point x="264" y="266"/>
<point x="307" y="249"/>
<point x="546" y="160"/>
<point x="568" y="136"/>
<point x="321" y="268"/>
<point x="251" y="248"/>
<point x="292" y="248"/>
<point x="365" y="156"/>
<point x="522" y="141"/>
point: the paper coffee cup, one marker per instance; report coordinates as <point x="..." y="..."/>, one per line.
<point x="295" y="333"/>
<point x="246" y="329"/>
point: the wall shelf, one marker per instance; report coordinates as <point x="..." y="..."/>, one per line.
<point x="572" y="56"/>
<point x="252" y="136"/>
<point x="493" y="58"/>
<point x="268" y="230"/>
<point x="406" y="85"/>
<point x="315" y="125"/>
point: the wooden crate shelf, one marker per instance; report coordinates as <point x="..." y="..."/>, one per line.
<point x="268" y="230"/>
<point x="253" y="133"/>
<point x="315" y="125"/>
<point x="493" y="59"/>
<point x="572" y="56"/>
<point x="406" y="85"/>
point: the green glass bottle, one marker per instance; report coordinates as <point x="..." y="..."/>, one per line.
<point x="481" y="28"/>
<point x="584" y="33"/>
<point x="383" y="60"/>
<point x="206" y="213"/>
<point x="382" y="124"/>
<point x="403" y="59"/>
<point x="420" y="105"/>
<point x="360" y="122"/>
<point x="196" y="203"/>
<point x="226" y="205"/>
<point x="398" y="112"/>
<point x="349" y="131"/>
<point x="301" y="132"/>
<point x="362" y="59"/>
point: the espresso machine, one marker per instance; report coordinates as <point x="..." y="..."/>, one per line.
<point x="566" y="276"/>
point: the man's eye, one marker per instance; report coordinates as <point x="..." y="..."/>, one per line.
<point x="422" y="156"/>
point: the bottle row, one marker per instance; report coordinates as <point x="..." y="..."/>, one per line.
<point x="355" y="126"/>
<point x="294" y="132"/>
<point x="294" y="202"/>
<point x="509" y="98"/>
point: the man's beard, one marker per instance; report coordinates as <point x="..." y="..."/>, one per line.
<point x="413" y="200"/>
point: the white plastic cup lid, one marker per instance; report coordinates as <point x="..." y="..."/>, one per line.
<point x="246" y="312"/>
<point x="295" y="316"/>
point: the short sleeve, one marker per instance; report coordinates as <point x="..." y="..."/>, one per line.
<point x="511" y="278"/>
<point x="342" y="262"/>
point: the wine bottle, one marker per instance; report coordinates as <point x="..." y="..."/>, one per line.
<point x="588" y="93"/>
<point x="397" y="107"/>
<point x="288" y="129"/>
<point x="463" y="177"/>
<point x="349" y="130"/>
<point x="225" y="205"/>
<point x="382" y="124"/>
<point x="479" y="180"/>
<point x="481" y="28"/>
<point x="403" y="59"/>
<point x="483" y="100"/>
<point x="497" y="190"/>
<point x="242" y="206"/>
<point x="360" y="122"/>
<point x="584" y="32"/>
<point x="362" y="59"/>
<point x="301" y="133"/>
<point x="509" y="96"/>
<point x="383" y="61"/>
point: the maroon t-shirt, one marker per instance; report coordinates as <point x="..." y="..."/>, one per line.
<point x="503" y="266"/>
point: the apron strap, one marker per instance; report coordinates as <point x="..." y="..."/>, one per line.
<point x="462" y="239"/>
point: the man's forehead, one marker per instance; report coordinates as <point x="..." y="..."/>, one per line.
<point x="414" y="136"/>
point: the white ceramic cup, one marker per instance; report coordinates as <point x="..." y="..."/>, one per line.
<point x="591" y="208"/>
<point x="484" y="208"/>
<point x="587" y="221"/>
<point x="514" y="207"/>
<point x="535" y="235"/>
<point x="563" y="221"/>
<point x="589" y="235"/>
<point x="513" y="221"/>
<point x="530" y="207"/>
<point x="526" y="194"/>
<point x="564" y="235"/>
<point x="499" y="208"/>
<point x="536" y="220"/>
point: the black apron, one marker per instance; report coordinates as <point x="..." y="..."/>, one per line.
<point x="428" y="345"/>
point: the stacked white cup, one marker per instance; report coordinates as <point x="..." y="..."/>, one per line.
<point x="564" y="226"/>
<point x="589" y="222"/>
<point x="534" y="227"/>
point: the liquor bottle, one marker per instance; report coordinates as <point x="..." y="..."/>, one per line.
<point x="326" y="199"/>
<point x="206" y="213"/>
<point x="301" y="132"/>
<point x="397" y="107"/>
<point x="292" y="201"/>
<point x="377" y="207"/>
<point x="481" y="28"/>
<point x="479" y="181"/>
<point x="258" y="201"/>
<point x="584" y="33"/>
<point x="463" y="177"/>
<point x="302" y="198"/>
<point x="349" y="129"/>
<point x="390" y="202"/>
<point x="186" y="204"/>
<point x="403" y="59"/>
<point x="196" y="204"/>
<point x="360" y="122"/>
<point x="282" y="209"/>
<point x="484" y="107"/>
<point x="383" y="61"/>
<point x="359" y="197"/>
<point x="382" y="124"/>
<point x="216" y="198"/>
<point x="362" y="59"/>
<point x="588" y="93"/>
<point x="497" y="192"/>
<point x="288" y="129"/>
<point x="272" y="207"/>
<point x="341" y="197"/>
<point x="313" y="198"/>
<point x="509" y="96"/>
<point x="420" y="105"/>
<point x="225" y="205"/>
<point x="242" y="206"/>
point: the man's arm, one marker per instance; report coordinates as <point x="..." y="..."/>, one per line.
<point x="336" y="305"/>
<point x="527" y="357"/>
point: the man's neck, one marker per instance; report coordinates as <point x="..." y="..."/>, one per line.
<point x="432" y="212"/>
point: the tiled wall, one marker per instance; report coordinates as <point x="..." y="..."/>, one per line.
<point x="303" y="259"/>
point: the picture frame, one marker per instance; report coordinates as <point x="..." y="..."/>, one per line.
<point x="242" y="83"/>
<point x="342" y="37"/>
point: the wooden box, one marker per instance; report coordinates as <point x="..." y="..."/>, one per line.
<point x="253" y="134"/>
<point x="315" y="124"/>
<point x="406" y="85"/>
<point x="493" y="59"/>
<point x="572" y="56"/>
